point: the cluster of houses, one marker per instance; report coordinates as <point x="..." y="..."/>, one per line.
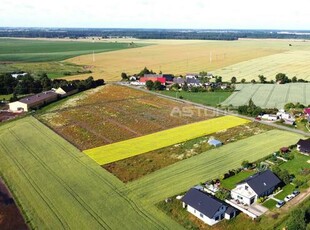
<point x="167" y="80"/>
<point x="288" y="118"/>
<point x="211" y="210"/>
<point x="201" y="202"/>
<point x="38" y="100"/>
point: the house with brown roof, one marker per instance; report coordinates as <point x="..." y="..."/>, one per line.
<point x="34" y="101"/>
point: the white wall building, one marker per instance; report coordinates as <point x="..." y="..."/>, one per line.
<point x="206" y="207"/>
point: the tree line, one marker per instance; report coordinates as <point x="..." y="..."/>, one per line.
<point x="29" y="85"/>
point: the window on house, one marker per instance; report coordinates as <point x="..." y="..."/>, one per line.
<point x="194" y="210"/>
<point x="201" y="215"/>
<point x="246" y="187"/>
<point x="217" y="218"/>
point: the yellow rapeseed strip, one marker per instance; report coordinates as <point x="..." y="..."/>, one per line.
<point x="132" y="147"/>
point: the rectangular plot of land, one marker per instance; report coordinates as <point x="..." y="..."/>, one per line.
<point x="212" y="164"/>
<point x="125" y="149"/>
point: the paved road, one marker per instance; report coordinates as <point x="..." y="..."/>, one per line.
<point x="218" y="111"/>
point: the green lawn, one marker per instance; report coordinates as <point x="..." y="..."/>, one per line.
<point x="5" y="97"/>
<point x="204" y="98"/>
<point x="40" y="51"/>
<point x="56" y="186"/>
<point x="231" y="182"/>
<point x="287" y="189"/>
<point x="212" y="164"/>
<point x="296" y="165"/>
<point x="270" y="204"/>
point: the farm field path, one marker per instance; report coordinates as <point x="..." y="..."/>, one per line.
<point x="57" y="185"/>
<point x="132" y="147"/>
<point x="179" y="177"/>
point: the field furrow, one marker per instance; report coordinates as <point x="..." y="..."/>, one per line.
<point x="270" y="95"/>
<point x="56" y="185"/>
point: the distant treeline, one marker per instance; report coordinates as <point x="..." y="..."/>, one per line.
<point x="151" y="33"/>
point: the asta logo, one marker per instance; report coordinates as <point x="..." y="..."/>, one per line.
<point x="191" y="111"/>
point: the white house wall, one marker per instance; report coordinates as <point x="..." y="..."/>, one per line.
<point x="204" y="218"/>
<point x="17" y="106"/>
<point x="238" y="193"/>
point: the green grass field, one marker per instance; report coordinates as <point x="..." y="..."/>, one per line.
<point x="270" y="95"/>
<point x="295" y="165"/>
<point x="293" y="63"/>
<point x="231" y="182"/>
<point x="286" y="190"/>
<point x="58" y="187"/>
<point x="270" y="204"/>
<point x="19" y="50"/>
<point x="132" y="147"/>
<point x="204" y="98"/>
<point x="180" y="176"/>
<point x="53" y="69"/>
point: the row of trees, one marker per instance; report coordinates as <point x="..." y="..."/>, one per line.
<point x="28" y="85"/>
<point x="280" y="77"/>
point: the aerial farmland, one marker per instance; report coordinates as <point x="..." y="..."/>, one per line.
<point x="109" y="157"/>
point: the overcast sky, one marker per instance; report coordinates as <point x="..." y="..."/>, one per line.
<point x="192" y="14"/>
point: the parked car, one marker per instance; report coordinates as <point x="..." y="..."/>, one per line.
<point x="280" y="204"/>
<point x="295" y="193"/>
<point x="288" y="198"/>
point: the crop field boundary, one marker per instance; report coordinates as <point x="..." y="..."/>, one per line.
<point x="180" y="176"/>
<point x="63" y="188"/>
<point x="132" y="147"/>
<point x="270" y="96"/>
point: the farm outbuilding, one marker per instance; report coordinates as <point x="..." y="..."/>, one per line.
<point x="215" y="143"/>
<point x="33" y="101"/>
<point x="66" y="90"/>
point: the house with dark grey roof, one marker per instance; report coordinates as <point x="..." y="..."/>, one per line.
<point x="34" y="101"/>
<point x="303" y="146"/>
<point x="258" y="185"/>
<point x="66" y="90"/>
<point x="206" y="207"/>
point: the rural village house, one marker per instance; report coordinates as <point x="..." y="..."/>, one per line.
<point x="143" y="80"/>
<point x="303" y="146"/>
<point x="258" y="185"/>
<point x="206" y="207"/>
<point x="33" y="101"/>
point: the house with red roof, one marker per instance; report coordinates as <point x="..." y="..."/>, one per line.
<point x="162" y="80"/>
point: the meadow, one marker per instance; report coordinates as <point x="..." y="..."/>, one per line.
<point x="179" y="177"/>
<point x="270" y="95"/>
<point x="22" y="50"/>
<point x="292" y="63"/>
<point x="182" y="56"/>
<point x="62" y="188"/>
<point x="132" y="147"/>
<point x="204" y="98"/>
<point x="52" y="69"/>
<point x="114" y="113"/>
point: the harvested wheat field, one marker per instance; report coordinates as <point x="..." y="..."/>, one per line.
<point x="115" y="113"/>
<point x="182" y="56"/>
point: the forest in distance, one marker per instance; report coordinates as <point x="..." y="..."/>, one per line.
<point x="203" y="34"/>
